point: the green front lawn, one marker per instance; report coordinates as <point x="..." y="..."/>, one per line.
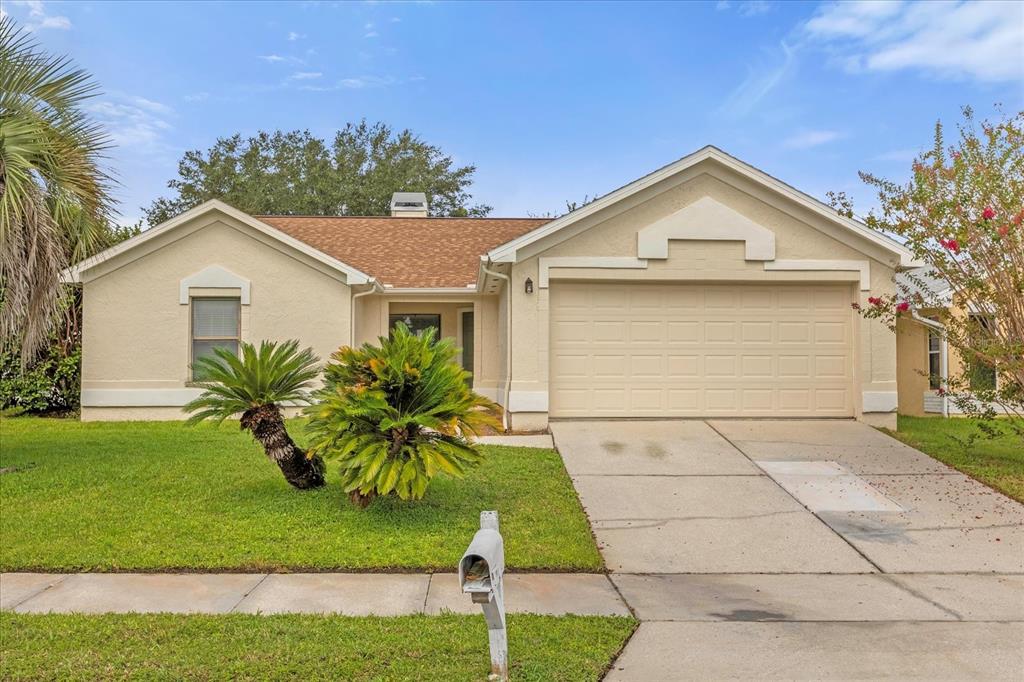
<point x="998" y="463"/>
<point x="151" y="496"/>
<point x="164" y="646"/>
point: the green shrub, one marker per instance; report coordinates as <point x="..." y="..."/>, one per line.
<point x="396" y="415"/>
<point x="51" y="384"/>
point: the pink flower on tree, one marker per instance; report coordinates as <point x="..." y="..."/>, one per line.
<point x="874" y="300"/>
<point x="989" y="213"/>
<point x="903" y="306"/>
<point x="950" y="244"/>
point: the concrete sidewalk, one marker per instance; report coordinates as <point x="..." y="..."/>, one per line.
<point x="355" y="594"/>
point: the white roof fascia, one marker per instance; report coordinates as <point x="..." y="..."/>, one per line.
<point x="352" y="275"/>
<point x="506" y="253"/>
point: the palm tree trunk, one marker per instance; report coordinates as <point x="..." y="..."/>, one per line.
<point x="267" y="427"/>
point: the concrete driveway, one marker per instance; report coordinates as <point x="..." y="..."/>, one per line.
<point x="799" y="550"/>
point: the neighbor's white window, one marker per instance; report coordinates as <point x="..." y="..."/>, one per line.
<point x="215" y="324"/>
<point x="934" y="357"/>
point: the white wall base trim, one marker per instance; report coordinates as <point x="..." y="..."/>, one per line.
<point x="213" y="277"/>
<point x="528" y="401"/>
<point x="610" y="262"/>
<point x="861" y="266"/>
<point x="706" y="218"/>
<point x="880" y="401"/>
<point x="138" y="397"/>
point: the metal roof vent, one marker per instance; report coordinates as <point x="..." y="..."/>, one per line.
<point x="409" y="204"/>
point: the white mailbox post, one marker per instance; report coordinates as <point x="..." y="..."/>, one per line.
<point x="480" y="574"/>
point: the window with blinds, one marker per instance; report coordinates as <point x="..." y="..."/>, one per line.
<point x="215" y="324"/>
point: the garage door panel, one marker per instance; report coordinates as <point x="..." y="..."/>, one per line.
<point x="637" y="350"/>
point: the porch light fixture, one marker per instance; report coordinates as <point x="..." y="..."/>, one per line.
<point x="529" y="285"/>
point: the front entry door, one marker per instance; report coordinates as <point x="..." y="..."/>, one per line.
<point x="466" y="330"/>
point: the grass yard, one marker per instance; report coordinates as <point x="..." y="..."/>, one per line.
<point x="118" y="496"/>
<point x="165" y="646"/>
<point x="998" y="463"/>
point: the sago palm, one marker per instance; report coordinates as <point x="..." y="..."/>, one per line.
<point x="396" y="415"/>
<point x="255" y="386"/>
<point x="54" y="198"/>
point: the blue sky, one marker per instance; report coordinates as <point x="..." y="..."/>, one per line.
<point x="551" y="101"/>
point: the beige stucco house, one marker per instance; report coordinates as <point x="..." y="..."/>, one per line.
<point x="706" y="288"/>
<point x="925" y="362"/>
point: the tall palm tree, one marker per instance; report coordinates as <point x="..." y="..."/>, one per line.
<point x="54" y="197"/>
<point x="255" y="386"/>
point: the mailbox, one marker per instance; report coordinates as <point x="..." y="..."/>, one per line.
<point x="483" y="563"/>
<point x="481" y="572"/>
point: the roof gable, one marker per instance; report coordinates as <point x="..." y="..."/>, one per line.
<point x="508" y="252"/>
<point x="130" y="247"/>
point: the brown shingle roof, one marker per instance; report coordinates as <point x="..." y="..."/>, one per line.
<point x="407" y="252"/>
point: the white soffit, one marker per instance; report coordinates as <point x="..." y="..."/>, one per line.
<point x="352" y="275"/>
<point x="706" y="218"/>
<point x="507" y="253"/>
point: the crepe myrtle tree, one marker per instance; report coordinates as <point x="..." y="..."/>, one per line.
<point x="397" y="414"/>
<point x="255" y="386"/>
<point x="961" y="214"/>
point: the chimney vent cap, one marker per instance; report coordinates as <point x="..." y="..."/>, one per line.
<point x="412" y="204"/>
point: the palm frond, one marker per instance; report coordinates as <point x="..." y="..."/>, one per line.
<point x="273" y="374"/>
<point x="397" y="414"/>
<point x="54" y="195"/>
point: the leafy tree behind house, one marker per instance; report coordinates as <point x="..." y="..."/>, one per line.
<point x="961" y="214"/>
<point x="298" y="173"/>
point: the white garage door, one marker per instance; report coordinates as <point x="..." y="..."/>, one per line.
<point x="644" y="350"/>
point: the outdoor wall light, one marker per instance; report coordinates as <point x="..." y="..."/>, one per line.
<point x="529" y="285"/>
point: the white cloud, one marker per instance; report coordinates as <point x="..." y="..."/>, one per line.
<point x="278" y="59"/>
<point x="396" y="20"/>
<point x="371" y="34"/>
<point x="948" y="39"/>
<point x="197" y="97"/>
<point x="38" y="18"/>
<point x="305" y="75"/>
<point x="293" y="36"/>
<point x="354" y="83"/>
<point x="134" y="123"/>
<point x="811" y="138"/>
<point x="747" y="8"/>
<point x="754" y="7"/>
<point x="759" y="82"/>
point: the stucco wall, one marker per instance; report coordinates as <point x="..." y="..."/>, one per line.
<point x="799" y="235"/>
<point x="372" y="315"/>
<point x="911" y="366"/>
<point x="136" y="333"/>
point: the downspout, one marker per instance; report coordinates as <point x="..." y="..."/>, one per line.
<point x="505" y="423"/>
<point x="943" y="358"/>
<point x="374" y="289"/>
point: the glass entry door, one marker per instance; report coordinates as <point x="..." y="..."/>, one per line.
<point x="466" y="342"/>
<point x="417" y="322"/>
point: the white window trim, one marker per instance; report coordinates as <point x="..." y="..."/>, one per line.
<point x="213" y="277"/>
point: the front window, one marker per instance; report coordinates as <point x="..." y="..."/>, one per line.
<point x="416" y="322"/>
<point x="934" y="357"/>
<point x="981" y="374"/>
<point x="215" y="324"/>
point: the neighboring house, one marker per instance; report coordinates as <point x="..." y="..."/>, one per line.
<point x="705" y="289"/>
<point x="923" y="359"/>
